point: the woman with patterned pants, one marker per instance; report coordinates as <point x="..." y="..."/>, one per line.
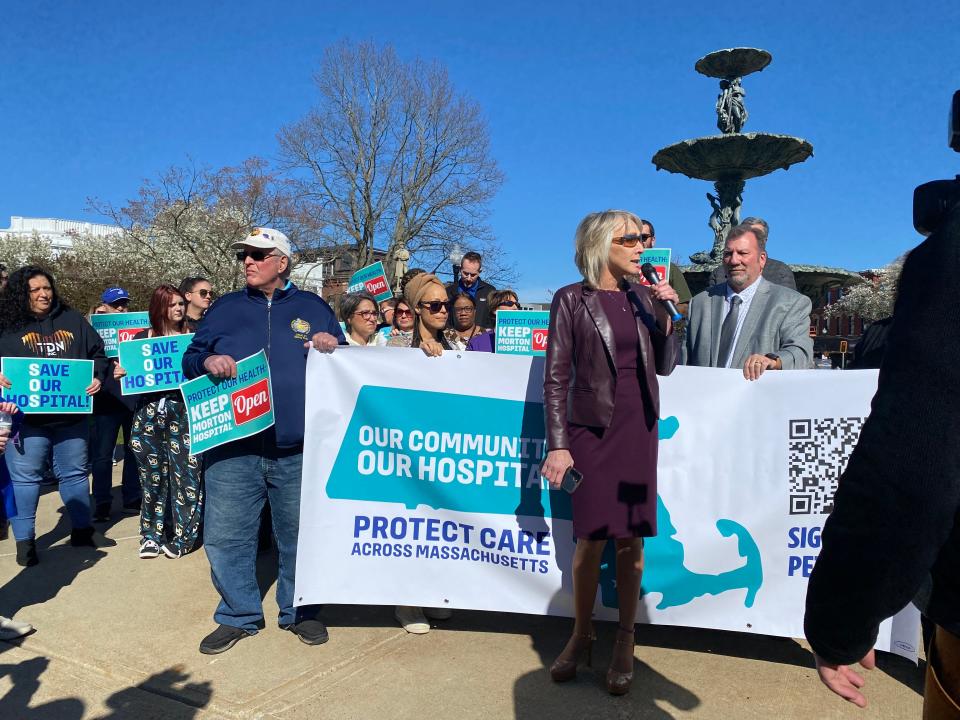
<point x="160" y="441"/>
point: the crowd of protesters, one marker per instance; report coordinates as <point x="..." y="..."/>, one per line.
<point x="609" y="339"/>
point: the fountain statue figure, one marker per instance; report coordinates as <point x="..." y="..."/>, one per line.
<point x="731" y="112"/>
<point x="725" y="216"/>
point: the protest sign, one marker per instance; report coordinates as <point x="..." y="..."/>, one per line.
<point x="152" y="364"/>
<point x="522" y="332"/>
<point x="419" y="492"/>
<point x="221" y="410"/>
<point x="373" y="279"/>
<point x="49" y="385"/>
<point x="116" y="328"/>
<point x="660" y="259"/>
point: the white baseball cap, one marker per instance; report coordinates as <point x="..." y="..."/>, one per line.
<point x="266" y="238"/>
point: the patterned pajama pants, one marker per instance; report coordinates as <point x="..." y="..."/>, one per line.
<point x="168" y="473"/>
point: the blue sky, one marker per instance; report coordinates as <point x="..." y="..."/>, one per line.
<point x="578" y="96"/>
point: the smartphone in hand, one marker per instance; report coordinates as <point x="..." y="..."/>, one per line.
<point x="571" y="480"/>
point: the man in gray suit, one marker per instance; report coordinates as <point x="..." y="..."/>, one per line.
<point x="748" y="321"/>
<point x="775" y="271"/>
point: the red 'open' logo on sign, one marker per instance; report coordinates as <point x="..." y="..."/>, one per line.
<point x="540" y="339"/>
<point x="250" y="403"/>
<point x="377" y="286"/>
<point x="124" y="334"/>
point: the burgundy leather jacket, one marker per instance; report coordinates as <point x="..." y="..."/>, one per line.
<point x="579" y="383"/>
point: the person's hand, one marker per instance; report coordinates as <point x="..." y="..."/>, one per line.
<point x="394" y="332"/>
<point x="7" y="407"/>
<point x="5" y="382"/>
<point x="94" y="387"/>
<point x="663" y="292"/>
<point x="843" y="681"/>
<point x="118" y="372"/>
<point x="431" y="348"/>
<point x="554" y="467"/>
<point x="755" y="366"/>
<point x="324" y="342"/>
<point x="221" y="366"/>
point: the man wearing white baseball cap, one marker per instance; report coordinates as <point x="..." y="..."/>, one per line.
<point x="270" y="314"/>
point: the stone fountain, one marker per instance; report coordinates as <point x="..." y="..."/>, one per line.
<point x="730" y="159"/>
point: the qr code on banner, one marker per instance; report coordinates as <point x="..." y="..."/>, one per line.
<point x="819" y="450"/>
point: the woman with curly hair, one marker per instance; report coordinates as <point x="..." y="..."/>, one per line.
<point x="37" y="324"/>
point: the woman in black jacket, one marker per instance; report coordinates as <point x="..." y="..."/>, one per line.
<point x="35" y="323"/>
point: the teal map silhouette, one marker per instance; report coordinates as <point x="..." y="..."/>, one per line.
<point x="482" y="455"/>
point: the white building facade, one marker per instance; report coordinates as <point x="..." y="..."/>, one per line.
<point x="59" y="232"/>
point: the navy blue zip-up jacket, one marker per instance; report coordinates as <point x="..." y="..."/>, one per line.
<point x="244" y="322"/>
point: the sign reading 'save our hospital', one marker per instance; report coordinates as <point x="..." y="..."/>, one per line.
<point x="115" y="328"/>
<point x="221" y="410"/>
<point x="153" y="364"/>
<point x="50" y="386"/>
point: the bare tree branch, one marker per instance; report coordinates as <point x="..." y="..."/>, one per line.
<point x="391" y="155"/>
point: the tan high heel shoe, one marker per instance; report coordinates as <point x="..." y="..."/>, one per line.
<point x="618" y="683"/>
<point x="565" y="670"/>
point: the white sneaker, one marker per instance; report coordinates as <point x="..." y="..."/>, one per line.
<point x="11" y="629"/>
<point x="438" y="613"/>
<point x="149" y="550"/>
<point x="412" y="619"/>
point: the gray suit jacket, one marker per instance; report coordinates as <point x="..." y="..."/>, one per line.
<point x="778" y="322"/>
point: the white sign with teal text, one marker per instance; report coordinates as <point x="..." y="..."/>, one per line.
<point x="419" y="489"/>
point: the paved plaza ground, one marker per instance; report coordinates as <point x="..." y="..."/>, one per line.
<point x="117" y="638"/>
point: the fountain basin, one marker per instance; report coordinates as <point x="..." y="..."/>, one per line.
<point x="733" y="157"/>
<point x="733" y="63"/>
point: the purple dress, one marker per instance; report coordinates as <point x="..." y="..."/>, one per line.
<point x="618" y="495"/>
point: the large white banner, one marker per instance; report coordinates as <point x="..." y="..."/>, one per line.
<point x="421" y="487"/>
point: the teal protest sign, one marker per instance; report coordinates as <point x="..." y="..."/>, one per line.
<point x="660" y="259"/>
<point x="57" y="387"/>
<point x="116" y="328"/>
<point x="522" y="332"/>
<point x="373" y="279"/>
<point x="152" y="364"/>
<point x="221" y="410"/>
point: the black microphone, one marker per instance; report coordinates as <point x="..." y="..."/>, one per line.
<point x="653" y="277"/>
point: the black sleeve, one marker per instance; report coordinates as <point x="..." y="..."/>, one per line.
<point x="898" y="499"/>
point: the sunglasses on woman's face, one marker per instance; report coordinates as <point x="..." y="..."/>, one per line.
<point x="435" y="306"/>
<point x="629" y="241"/>
<point x="206" y="293"/>
<point x="508" y="303"/>
<point x="403" y="312"/>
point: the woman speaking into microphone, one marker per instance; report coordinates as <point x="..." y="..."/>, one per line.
<point x="609" y="339"/>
